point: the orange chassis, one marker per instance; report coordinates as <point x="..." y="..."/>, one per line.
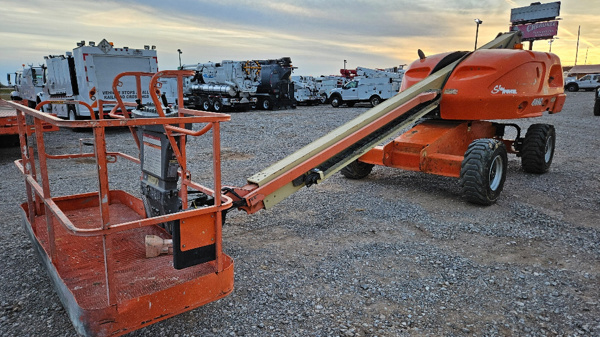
<point x="488" y="84"/>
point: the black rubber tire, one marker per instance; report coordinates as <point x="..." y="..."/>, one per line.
<point x="350" y="104"/>
<point x="335" y="101"/>
<point x="538" y="148"/>
<point x="265" y="104"/>
<point x="72" y="115"/>
<point x="375" y="100"/>
<point x="217" y="105"/>
<point x="357" y="170"/>
<point x="483" y="171"/>
<point x="205" y="104"/>
<point x="572" y="87"/>
<point x="323" y="99"/>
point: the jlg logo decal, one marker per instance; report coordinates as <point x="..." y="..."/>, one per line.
<point x="503" y="90"/>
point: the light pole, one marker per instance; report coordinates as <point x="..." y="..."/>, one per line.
<point x="179" y="51"/>
<point x="550" y="43"/>
<point x="478" y="22"/>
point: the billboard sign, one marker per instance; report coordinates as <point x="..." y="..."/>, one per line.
<point x="538" y="30"/>
<point x="536" y="12"/>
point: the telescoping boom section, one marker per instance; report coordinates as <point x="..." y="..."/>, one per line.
<point x="344" y="145"/>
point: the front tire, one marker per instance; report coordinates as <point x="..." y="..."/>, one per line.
<point x="538" y="148"/>
<point x="336" y="101"/>
<point x="572" y="87"/>
<point x="597" y="102"/>
<point x="483" y="171"/>
<point x="266" y="104"/>
<point x="357" y="170"/>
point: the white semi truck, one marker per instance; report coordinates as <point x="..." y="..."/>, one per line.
<point x="87" y="74"/>
<point x="223" y="85"/>
<point x="28" y="84"/>
<point x="369" y="85"/>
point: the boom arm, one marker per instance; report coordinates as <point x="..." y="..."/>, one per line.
<point x="329" y="154"/>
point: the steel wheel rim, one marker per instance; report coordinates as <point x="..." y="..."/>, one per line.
<point x="495" y="174"/>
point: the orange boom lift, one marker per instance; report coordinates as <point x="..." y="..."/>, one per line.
<point x="105" y="250"/>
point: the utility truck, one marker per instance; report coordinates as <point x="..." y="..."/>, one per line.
<point x="28" y="84"/>
<point x="325" y="84"/>
<point x="588" y="82"/>
<point x="223" y="85"/>
<point x="87" y="74"/>
<point x="369" y="85"/>
<point x="305" y="90"/>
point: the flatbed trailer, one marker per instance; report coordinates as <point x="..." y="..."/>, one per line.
<point x="9" y="125"/>
<point x="8" y="120"/>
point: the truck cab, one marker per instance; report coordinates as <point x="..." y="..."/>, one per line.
<point x="349" y="91"/>
<point x="17" y="76"/>
<point x="587" y="82"/>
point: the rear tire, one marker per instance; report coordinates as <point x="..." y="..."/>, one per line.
<point x="483" y="171"/>
<point x="73" y="117"/>
<point x="72" y="114"/>
<point x="357" y="170"/>
<point x="323" y="99"/>
<point x="375" y="100"/>
<point x="538" y="148"/>
<point x="205" y="104"/>
<point x="217" y="106"/>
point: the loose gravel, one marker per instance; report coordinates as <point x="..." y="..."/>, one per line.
<point x="396" y="254"/>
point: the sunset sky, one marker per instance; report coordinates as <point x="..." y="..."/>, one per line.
<point x="317" y="35"/>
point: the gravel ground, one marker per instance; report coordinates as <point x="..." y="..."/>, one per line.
<point x="395" y="254"/>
